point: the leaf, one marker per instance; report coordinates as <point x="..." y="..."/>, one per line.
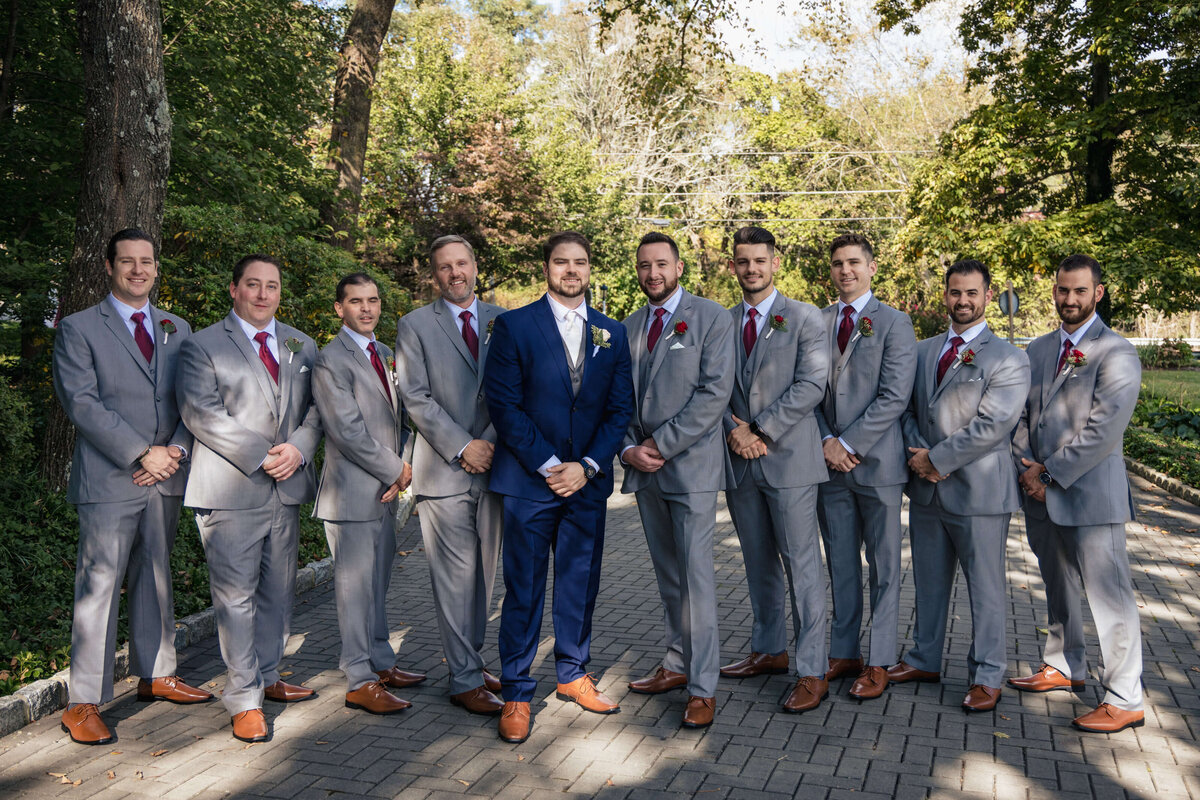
<point x="1001" y="735"/>
<point x="63" y="774"/>
<point x="1043" y="631"/>
<point x="110" y="774"/>
<point x="158" y="753"/>
<point x="464" y="783"/>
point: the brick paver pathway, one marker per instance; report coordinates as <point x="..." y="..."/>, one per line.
<point x="913" y="742"/>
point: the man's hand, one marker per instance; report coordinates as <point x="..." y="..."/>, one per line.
<point x="744" y="443"/>
<point x="477" y="456"/>
<point x="157" y="465"/>
<point x="282" y="460"/>
<point x="1031" y="481"/>
<point x="645" y="456"/>
<point x="837" y="457"/>
<point x="919" y="463"/>
<point x="566" y="479"/>
<point x="399" y="485"/>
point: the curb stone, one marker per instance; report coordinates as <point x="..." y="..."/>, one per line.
<point x="1164" y="482"/>
<point x="49" y="695"/>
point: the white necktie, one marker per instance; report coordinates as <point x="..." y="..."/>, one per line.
<point x="571" y="335"/>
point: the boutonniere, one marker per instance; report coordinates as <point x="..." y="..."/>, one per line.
<point x="491" y="324"/>
<point x="680" y="328"/>
<point x="391" y="364"/>
<point x="965" y="357"/>
<point x="294" y="346"/>
<point x="778" y="323"/>
<point x="864" y="327"/>
<point x="168" y="328"/>
<point x="600" y="337"/>
<point x="1076" y="358"/>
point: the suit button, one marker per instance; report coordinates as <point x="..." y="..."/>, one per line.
<point x="1041" y="424"/>
<point x="572" y="409"/>
<point x="570" y="442"/>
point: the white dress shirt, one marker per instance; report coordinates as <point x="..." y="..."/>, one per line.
<point x="362" y="341"/>
<point x="968" y="336"/>
<point x="1076" y="337"/>
<point x="764" y="311"/>
<point x="127" y="311"/>
<point x="456" y="310"/>
<point x="670" y="304"/>
<point x="251" y="332"/>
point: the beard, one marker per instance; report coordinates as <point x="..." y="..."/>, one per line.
<point x="966" y="316"/>
<point x="558" y="287"/>
<point x="458" y="294"/>
<point x="657" y="296"/>
<point x="1074" y="316"/>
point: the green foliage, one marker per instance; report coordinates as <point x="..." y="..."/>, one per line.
<point x="1179" y="459"/>
<point x="1167" y="418"/>
<point x="1168" y="354"/>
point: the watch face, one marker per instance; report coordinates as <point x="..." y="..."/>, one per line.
<point x="1045" y="478"/>
<point x="589" y="471"/>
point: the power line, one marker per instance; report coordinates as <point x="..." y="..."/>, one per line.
<point x="765" y="194"/>
<point x="770" y="153"/>
<point x="663" y="222"/>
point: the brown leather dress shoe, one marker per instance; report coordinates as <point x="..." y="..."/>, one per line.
<point x="1046" y="679"/>
<point x="757" y="664"/>
<point x="663" y="680"/>
<point x="478" y="701"/>
<point x="806" y="695"/>
<point x="1108" y="718"/>
<point x="700" y="712"/>
<point x="841" y="667"/>
<point x="491" y="682"/>
<point x="282" y="692"/>
<point x="583" y="691"/>
<point x="375" y="699"/>
<point x="870" y="683"/>
<point x="83" y="724"/>
<point x="397" y="678"/>
<point x="514" y="722"/>
<point x="172" y="690"/>
<point x="905" y="672"/>
<point x="981" y="698"/>
<point x="250" y="726"/>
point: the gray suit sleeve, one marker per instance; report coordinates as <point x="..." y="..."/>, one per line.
<point x="182" y="437"/>
<point x="999" y="408"/>
<point x="333" y="391"/>
<point x="910" y="428"/>
<point x="808" y="386"/>
<point x="896" y="376"/>
<point x="307" y="436"/>
<point x="711" y="396"/>
<point x="437" y="427"/>
<point x="79" y="393"/>
<point x="822" y="423"/>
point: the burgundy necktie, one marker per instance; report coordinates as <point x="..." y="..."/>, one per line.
<point x="656" y="329"/>
<point x="144" y="342"/>
<point x="750" y="332"/>
<point x="845" y="329"/>
<point x="948" y="358"/>
<point x="469" y="335"/>
<point x="377" y="363"/>
<point x="1062" y="360"/>
<point x="268" y="358"/>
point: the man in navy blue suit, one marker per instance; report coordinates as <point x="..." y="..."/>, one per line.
<point x="560" y="393"/>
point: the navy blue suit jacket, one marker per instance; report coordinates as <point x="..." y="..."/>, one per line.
<point x="528" y="389"/>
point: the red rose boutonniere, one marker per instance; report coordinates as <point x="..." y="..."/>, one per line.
<point x="965" y="357"/>
<point x="778" y="323"/>
<point x="168" y="328"/>
<point x="680" y="328"/>
<point x="1076" y="358"/>
<point x="864" y="326"/>
<point x="491" y="324"/>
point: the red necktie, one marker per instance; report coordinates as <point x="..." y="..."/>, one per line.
<point x="845" y="329"/>
<point x="750" y="332"/>
<point x="469" y="335"/>
<point x="655" y="329"/>
<point x="268" y="358"/>
<point x="948" y="358"/>
<point x="144" y="342"/>
<point x="377" y="363"/>
<point x="1062" y="360"/>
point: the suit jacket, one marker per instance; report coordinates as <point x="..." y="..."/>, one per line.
<point x="778" y="387"/>
<point x="117" y="402"/>
<point x="527" y="385"/>
<point x="869" y="388"/>
<point x="364" y="431"/>
<point x="966" y="423"/>
<point x="237" y="413"/>
<point x="1074" y="423"/>
<point x="686" y="393"/>
<point x="442" y="387"/>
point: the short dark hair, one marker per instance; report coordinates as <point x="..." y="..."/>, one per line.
<point x="239" y="268"/>
<point x="752" y="234"/>
<point x="855" y="240"/>
<point x="452" y="238"/>
<point x="1079" y="261"/>
<point x="354" y="279"/>
<point x="968" y="266"/>
<point x="655" y="237"/>
<point x="128" y="235"/>
<point x="565" y="237"/>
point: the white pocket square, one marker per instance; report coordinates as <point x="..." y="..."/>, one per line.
<point x="677" y="346"/>
<point x="973" y="380"/>
<point x="303" y="370"/>
<point x="595" y="349"/>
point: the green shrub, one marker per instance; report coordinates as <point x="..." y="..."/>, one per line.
<point x="1169" y="354"/>
<point x="1174" y="457"/>
<point x="1167" y="417"/>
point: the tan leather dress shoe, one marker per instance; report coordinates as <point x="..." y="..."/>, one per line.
<point x="250" y="726"/>
<point x="514" y="722"/>
<point x="981" y="698"/>
<point x="583" y="691"/>
<point x="663" y="680"/>
<point x="172" y="690"/>
<point x="870" y="683"/>
<point x="757" y="664"/>
<point x="397" y="678"/>
<point x="699" y="712"/>
<point x="806" y="695"/>
<point x="282" y="692"/>
<point x="1046" y="679"/>
<point x="905" y="672"/>
<point x="491" y="682"/>
<point x="375" y="699"/>
<point x="841" y="667"/>
<point x="1108" y="718"/>
<point x="478" y="701"/>
<point x="83" y="724"/>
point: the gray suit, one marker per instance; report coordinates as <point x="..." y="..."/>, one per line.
<point x="869" y="387"/>
<point x="119" y="404"/>
<point x="773" y="500"/>
<point x="248" y="522"/>
<point x="1074" y="423"/>
<point x="966" y="423"/>
<point x="681" y="391"/>
<point x="442" y="386"/>
<point x="364" y="435"/>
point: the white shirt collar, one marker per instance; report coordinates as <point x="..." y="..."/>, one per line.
<point x="763" y="308"/>
<point x="560" y="311"/>
<point x="455" y="310"/>
<point x="1076" y="337"/>
<point x="252" y="331"/>
<point x="970" y="334"/>
<point x="858" y="305"/>
<point x="670" y="304"/>
<point x="127" y="311"/>
<point x="359" y="339"/>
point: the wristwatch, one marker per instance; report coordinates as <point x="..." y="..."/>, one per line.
<point x="1045" y="478"/>
<point x="757" y="431"/>
<point x="589" y="471"/>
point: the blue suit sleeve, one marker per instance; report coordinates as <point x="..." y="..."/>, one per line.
<point x="610" y="433"/>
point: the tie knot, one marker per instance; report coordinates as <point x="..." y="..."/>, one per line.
<point x="261" y="337"/>
<point x="371" y="348"/>
<point x="659" y="312"/>
<point x="137" y="317"/>
<point x="465" y="316"/>
<point x="847" y="311"/>
<point x="753" y="313"/>
<point x="956" y="342"/>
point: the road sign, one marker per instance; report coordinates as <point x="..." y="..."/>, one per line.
<point x="1004" y="300"/>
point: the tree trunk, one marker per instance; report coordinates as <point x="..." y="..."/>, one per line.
<point x="352" y="115"/>
<point x="1100" y="151"/>
<point x="6" y="68"/>
<point x="126" y="158"/>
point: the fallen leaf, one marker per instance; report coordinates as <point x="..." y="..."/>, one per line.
<point x="1004" y="717"/>
<point x="402" y="552"/>
<point x="75" y="783"/>
<point x="158" y="753"/>
<point x="65" y="779"/>
<point x="1000" y="735"/>
<point x="781" y="758"/>
<point x="111" y="774"/>
<point x="115" y="753"/>
<point x="609" y="782"/>
<point x="1043" y="631"/>
<point x="248" y="746"/>
<point x="138" y="774"/>
<point x="464" y="783"/>
<point x="286" y="674"/>
<point x="321" y="741"/>
<point x="63" y="774"/>
<point x="522" y="758"/>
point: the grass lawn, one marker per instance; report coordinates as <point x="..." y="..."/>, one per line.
<point x="1180" y="385"/>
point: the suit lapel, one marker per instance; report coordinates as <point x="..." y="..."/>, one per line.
<point x="156" y="318"/>
<point x="1084" y="346"/>
<point x="117" y="325"/>
<point x="759" y="352"/>
<point x="870" y="308"/>
<point x="830" y="313"/>
<point x="360" y="359"/>
<point x="548" y="325"/>
<point x="287" y="368"/>
<point x="486" y="315"/>
<point x="955" y="368"/>
<point x="450" y="328"/>
<point x="234" y="329"/>
<point x="665" y="342"/>
<point x="637" y="345"/>
<point x="738" y="312"/>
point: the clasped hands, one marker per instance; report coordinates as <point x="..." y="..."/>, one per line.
<point x="744" y="442"/>
<point x="399" y="485"/>
<point x="476" y="457"/>
<point x="837" y="457"/>
<point x="159" y="464"/>
<point x="919" y="463"/>
<point x="1031" y="480"/>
